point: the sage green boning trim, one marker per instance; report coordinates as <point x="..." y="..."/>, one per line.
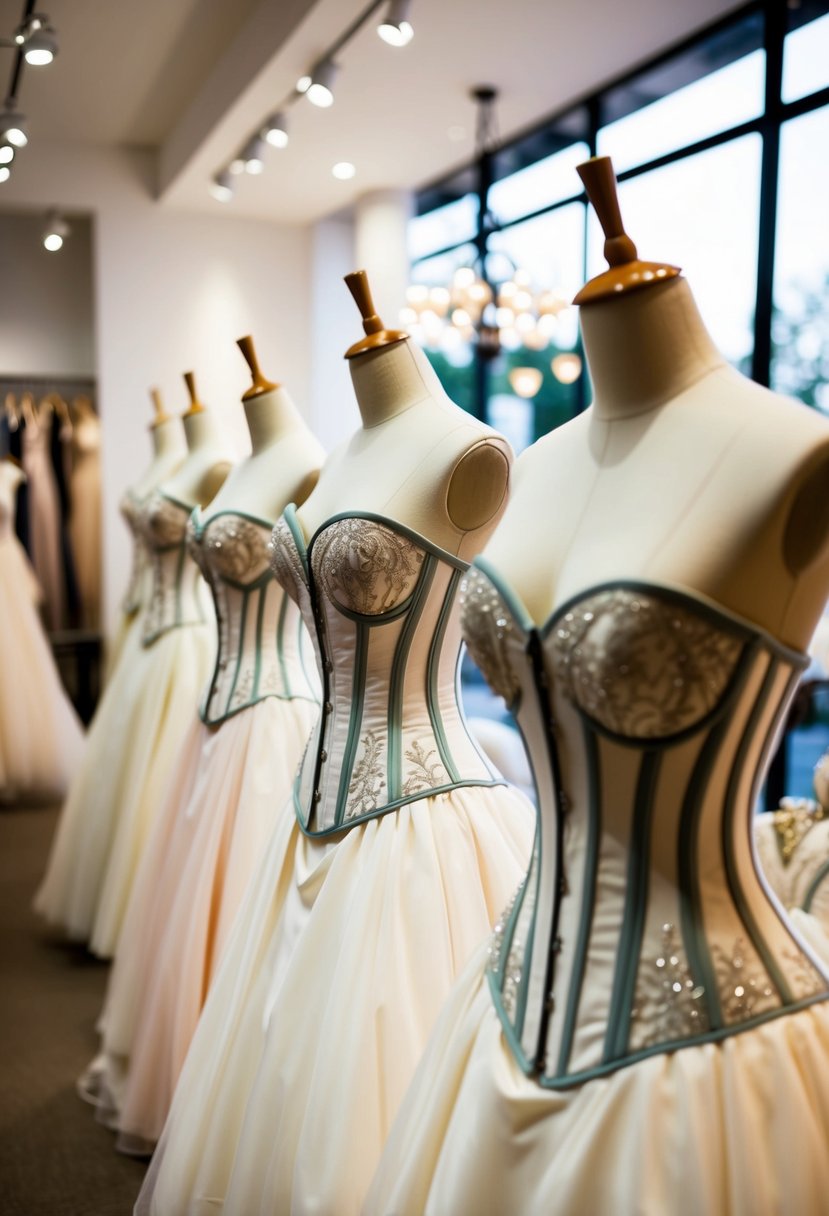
<point x="432" y="676"/>
<point x="394" y="759"/>
<point x="358" y="681"/>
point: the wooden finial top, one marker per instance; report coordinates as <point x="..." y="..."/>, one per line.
<point x="160" y="414"/>
<point x="260" y="384"/>
<point x="195" y="406"/>
<point x="376" y="334"/>
<point x="627" y="272"/>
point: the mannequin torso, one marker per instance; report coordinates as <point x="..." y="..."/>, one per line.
<point x="682" y="473"/>
<point x="417" y="459"/>
<point x="168" y="453"/>
<point x="205" y="467"/>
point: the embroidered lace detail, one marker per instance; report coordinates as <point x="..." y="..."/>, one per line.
<point x="235" y="548"/>
<point x="364" y="566"/>
<point x="744" y="985"/>
<point x="668" y="1004"/>
<point x="792" y="823"/>
<point x="486" y="622"/>
<point x="641" y="666"/>
<point x="426" y="770"/>
<point x="804" y="976"/>
<point x="286" y="562"/>
<point x="368" y="778"/>
<point x="163" y="521"/>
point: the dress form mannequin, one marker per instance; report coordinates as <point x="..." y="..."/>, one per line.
<point x="206" y="466"/>
<point x="169" y="448"/>
<point x="285" y="456"/>
<point x="711" y="482"/>
<point x="418" y="457"/>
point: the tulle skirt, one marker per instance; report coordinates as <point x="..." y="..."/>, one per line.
<point x="136" y="734"/>
<point x="41" y="738"/>
<point x="127" y="623"/>
<point x="219" y="812"/>
<point x="341" y="957"/>
<point x="736" y="1128"/>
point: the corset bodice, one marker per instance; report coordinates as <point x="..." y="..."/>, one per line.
<point x="643" y="924"/>
<point x="379" y="604"/>
<point x="177" y="595"/>
<point x="137" y="587"/>
<point x="263" y="648"/>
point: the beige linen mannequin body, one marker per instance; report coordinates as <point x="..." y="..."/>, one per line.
<point x="206" y="465"/>
<point x="417" y="459"/>
<point x="682" y="472"/>
<point x="169" y="450"/>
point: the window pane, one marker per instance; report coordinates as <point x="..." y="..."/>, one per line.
<point x="444" y="226"/>
<point x="450" y="354"/>
<point x="720" y="100"/>
<point x="806" y="59"/>
<point x="534" y="383"/>
<point x="702" y="214"/>
<point x="547" y="181"/>
<point x="800" y="330"/>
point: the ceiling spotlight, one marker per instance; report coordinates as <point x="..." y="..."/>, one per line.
<point x="275" y="130"/>
<point x="253" y="154"/>
<point x="6" y="153"/>
<point x="39" y="40"/>
<point x="221" y="187"/>
<point x="344" y="170"/>
<point x="12" y="127"/>
<point x="5" y="173"/>
<point x="319" y="90"/>
<point x="303" y="84"/>
<point x="396" y="30"/>
<point x="55" y="232"/>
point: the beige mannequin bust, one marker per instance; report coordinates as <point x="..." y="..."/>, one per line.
<point x="682" y="472"/>
<point x="169" y="449"/>
<point x="285" y="457"/>
<point x="418" y="458"/>
<point x="206" y="465"/>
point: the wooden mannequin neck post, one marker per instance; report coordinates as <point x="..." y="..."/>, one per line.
<point x="167" y="436"/>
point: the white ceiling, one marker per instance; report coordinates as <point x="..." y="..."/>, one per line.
<point x="196" y="77"/>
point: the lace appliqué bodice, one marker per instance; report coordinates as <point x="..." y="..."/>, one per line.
<point x="379" y="604"/>
<point x="263" y="649"/>
<point x="133" y="598"/>
<point x="643" y="924"/>
<point x="177" y="596"/>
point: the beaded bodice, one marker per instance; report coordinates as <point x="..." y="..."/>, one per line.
<point x="379" y="603"/>
<point x="643" y="923"/>
<point x="263" y="648"/>
<point x="138" y="586"/>
<point x="177" y="594"/>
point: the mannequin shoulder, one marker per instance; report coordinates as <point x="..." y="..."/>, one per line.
<point x="479" y="480"/>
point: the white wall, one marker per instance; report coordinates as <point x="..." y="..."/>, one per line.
<point x="172" y="292"/>
<point x="46" y="299"/>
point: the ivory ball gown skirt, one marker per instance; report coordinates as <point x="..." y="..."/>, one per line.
<point x="41" y="738"/>
<point x="217" y="818"/>
<point x="341" y="957"/>
<point x="136" y="735"/>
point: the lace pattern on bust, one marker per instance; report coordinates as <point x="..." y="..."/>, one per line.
<point x="235" y="548"/>
<point x="364" y="566"/>
<point x="641" y="666"/>
<point x="486" y="623"/>
<point x="163" y="522"/>
<point x="286" y="562"/>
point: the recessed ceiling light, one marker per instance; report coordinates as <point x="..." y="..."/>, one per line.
<point x="13" y="128"/>
<point x="55" y="232"/>
<point x="253" y="155"/>
<point x="343" y="170"/>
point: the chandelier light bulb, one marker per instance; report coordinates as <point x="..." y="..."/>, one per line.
<point x="525" y="381"/>
<point x="319" y="91"/>
<point x="221" y="187"/>
<point x="55" y="232"/>
<point x="396" y="29"/>
<point x="566" y="367"/>
<point x="275" y="130"/>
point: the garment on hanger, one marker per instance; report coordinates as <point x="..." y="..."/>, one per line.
<point x="644" y="1032"/>
<point x="40" y="734"/>
<point x="134" y="739"/>
<point x="231" y="780"/>
<point x="365" y="906"/>
<point x="85" y="514"/>
<point x="44" y="524"/>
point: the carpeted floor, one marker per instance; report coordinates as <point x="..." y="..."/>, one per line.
<point x="55" y="1160"/>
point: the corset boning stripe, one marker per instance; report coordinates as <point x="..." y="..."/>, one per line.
<point x="358" y="685"/>
<point x="433" y="671"/>
<point x="394" y="773"/>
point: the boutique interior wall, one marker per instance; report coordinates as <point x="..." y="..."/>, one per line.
<point x="172" y="292"/>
